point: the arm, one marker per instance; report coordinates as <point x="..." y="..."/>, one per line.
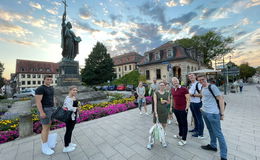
<point x="187" y="101"/>
<point x="155" y="104"/>
<point x="222" y="105"/>
<point x="38" y="99"/>
<point x="68" y="103"/>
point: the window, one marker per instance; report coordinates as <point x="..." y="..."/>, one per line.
<point x="28" y="76"/>
<point x="192" y="68"/>
<point x="158" y="73"/>
<point x="119" y="69"/>
<point x="150" y="56"/>
<point x="130" y="67"/>
<point x="115" y="69"/>
<point x="119" y="75"/>
<point x="28" y="82"/>
<point x="34" y="82"/>
<point x="188" y="69"/>
<point x="147" y="74"/>
<point x="169" y="53"/>
<point x="38" y="76"/>
<point x="125" y="68"/>
<point x="157" y="56"/>
<point x="21" y="69"/>
<point x="39" y="82"/>
<point x="23" y="75"/>
<point x="23" y="82"/>
<point x="161" y="54"/>
<point x="147" y="58"/>
<point x="55" y="81"/>
<point x="34" y="76"/>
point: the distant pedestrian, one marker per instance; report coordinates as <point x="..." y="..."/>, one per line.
<point x="212" y="114"/>
<point x="195" y="106"/>
<point x="140" y="90"/>
<point x="236" y="86"/>
<point x="71" y="104"/>
<point x="153" y="88"/>
<point x="241" y="85"/>
<point x="181" y="105"/>
<point x="170" y="106"/>
<point x="44" y="99"/>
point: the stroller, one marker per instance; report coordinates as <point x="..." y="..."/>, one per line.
<point x="156" y="132"/>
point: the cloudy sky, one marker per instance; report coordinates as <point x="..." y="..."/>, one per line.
<point x="30" y="29"/>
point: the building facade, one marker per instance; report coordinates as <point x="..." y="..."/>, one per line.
<point x="126" y="63"/>
<point x="30" y="74"/>
<point x="170" y="60"/>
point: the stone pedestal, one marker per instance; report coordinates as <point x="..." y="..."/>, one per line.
<point x="25" y="124"/>
<point x="68" y="73"/>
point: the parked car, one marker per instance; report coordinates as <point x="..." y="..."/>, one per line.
<point x="28" y="92"/>
<point x="112" y="87"/>
<point x="120" y="87"/>
<point x="104" y="88"/>
<point x="98" y="87"/>
<point x="130" y="87"/>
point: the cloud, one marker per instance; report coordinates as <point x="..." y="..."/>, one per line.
<point x="253" y="3"/>
<point x="245" y="21"/>
<point x="35" y="5"/>
<point x="207" y="13"/>
<point x="171" y="3"/>
<point x="153" y="10"/>
<point x="52" y="11"/>
<point x="115" y="18"/>
<point x="85" y="27"/>
<point x="25" y="43"/>
<point x="8" y="28"/>
<point x="184" y="18"/>
<point x="198" y="30"/>
<point x="185" y="2"/>
<point x="84" y="13"/>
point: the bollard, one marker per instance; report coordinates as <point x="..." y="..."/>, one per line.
<point x="25" y="125"/>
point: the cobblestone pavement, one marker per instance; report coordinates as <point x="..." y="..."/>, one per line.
<point x="125" y="135"/>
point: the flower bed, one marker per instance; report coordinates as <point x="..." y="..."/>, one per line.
<point x="9" y="128"/>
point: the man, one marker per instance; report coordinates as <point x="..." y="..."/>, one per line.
<point x="195" y="105"/>
<point x="44" y="98"/>
<point x="181" y="105"/>
<point x="153" y="88"/>
<point x="212" y="115"/>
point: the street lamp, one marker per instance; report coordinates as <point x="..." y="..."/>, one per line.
<point x="225" y="84"/>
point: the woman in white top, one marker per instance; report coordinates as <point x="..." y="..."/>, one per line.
<point x="71" y="104"/>
<point x="140" y="90"/>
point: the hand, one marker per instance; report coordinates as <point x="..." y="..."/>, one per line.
<point x="42" y="115"/>
<point x="164" y="101"/>
<point x="156" y="115"/>
<point x="222" y="117"/>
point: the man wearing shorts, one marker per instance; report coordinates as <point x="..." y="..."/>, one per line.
<point x="44" y="98"/>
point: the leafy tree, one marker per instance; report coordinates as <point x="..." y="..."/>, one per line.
<point x="211" y="45"/>
<point x="1" y="74"/>
<point x="99" y="66"/>
<point x="131" y="78"/>
<point x="246" y="71"/>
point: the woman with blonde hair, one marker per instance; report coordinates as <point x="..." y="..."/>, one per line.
<point x="71" y="104"/>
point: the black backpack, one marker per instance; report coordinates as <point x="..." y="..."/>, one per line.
<point x="216" y="98"/>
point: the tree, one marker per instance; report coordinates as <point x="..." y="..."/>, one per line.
<point x="130" y="78"/>
<point x="211" y="45"/>
<point x="246" y="71"/>
<point x="1" y="74"/>
<point x="99" y="66"/>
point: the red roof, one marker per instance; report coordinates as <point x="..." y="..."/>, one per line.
<point x="131" y="57"/>
<point x="38" y="67"/>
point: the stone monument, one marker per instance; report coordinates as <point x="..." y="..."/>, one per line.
<point x="69" y="68"/>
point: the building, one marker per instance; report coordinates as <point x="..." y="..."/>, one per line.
<point x="170" y="59"/>
<point x="30" y="74"/>
<point x="126" y="63"/>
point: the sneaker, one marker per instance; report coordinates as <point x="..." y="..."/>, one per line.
<point x="169" y="121"/>
<point x="46" y="149"/>
<point x="182" y="143"/>
<point x="68" y="149"/>
<point x="201" y="137"/>
<point x="146" y="113"/>
<point x="195" y="135"/>
<point x="177" y="136"/>
<point x="72" y="145"/>
<point x="164" y="145"/>
<point x="209" y="147"/>
<point x="193" y="130"/>
<point x="141" y="113"/>
<point x="223" y="158"/>
<point x="149" y="146"/>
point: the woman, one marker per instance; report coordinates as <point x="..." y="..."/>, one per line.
<point x="140" y="90"/>
<point x="169" y="106"/>
<point x="161" y="100"/>
<point x="181" y="105"/>
<point x="71" y="104"/>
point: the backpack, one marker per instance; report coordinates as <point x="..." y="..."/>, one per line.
<point x="210" y="90"/>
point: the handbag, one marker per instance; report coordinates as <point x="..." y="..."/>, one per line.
<point x="61" y="115"/>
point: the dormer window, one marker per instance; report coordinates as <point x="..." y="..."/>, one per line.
<point x="169" y="53"/>
<point x="147" y="58"/>
<point x="157" y="56"/>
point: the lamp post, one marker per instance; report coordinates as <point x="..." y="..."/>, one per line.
<point x="225" y="84"/>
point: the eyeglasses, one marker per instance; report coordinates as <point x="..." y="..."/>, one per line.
<point x="201" y="79"/>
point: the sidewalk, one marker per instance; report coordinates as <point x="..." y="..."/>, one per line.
<point x="125" y="135"/>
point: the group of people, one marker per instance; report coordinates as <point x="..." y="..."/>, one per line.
<point x="203" y="99"/>
<point x="44" y="98"/>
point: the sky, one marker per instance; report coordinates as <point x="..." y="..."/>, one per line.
<point x="31" y="29"/>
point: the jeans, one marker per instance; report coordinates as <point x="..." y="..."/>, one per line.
<point x="181" y="116"/>
<point x="196" y="113"/>
<point x="241" y="88"/>
<point x="69" y="128"/>
<point x="212" y="122"/>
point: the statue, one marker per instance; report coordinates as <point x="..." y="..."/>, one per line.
<point x="69" y="41"/>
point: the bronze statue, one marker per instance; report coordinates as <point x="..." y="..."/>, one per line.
<point x="69" y="41"/>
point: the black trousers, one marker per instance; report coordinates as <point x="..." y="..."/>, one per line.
<point x="69" y="128"/>
<point x="181" y="116"/>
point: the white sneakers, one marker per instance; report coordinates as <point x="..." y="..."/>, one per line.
<point x="177" y="136"/>
<point x="144" y="113"/>
<point x="147" y="113"/>
<point x="141" y="113"/>
<point x="46" y="149"/>
<point x="68" y="149"/>
<point x="201" y="137"/>
<point x="169" y="121"/>
<point x="182" y="143"/>
<point x="73" y="145"/>
<point x="52" y="140"/>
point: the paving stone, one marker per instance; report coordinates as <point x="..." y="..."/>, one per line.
<point x="124" y="150"/>
<point x="117" y="157"/>
<point x="107" y="150"/>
